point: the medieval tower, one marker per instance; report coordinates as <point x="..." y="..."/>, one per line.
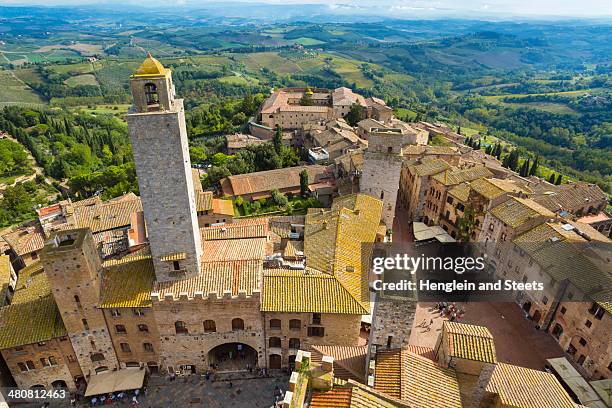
<point x="73" y="268"/>
<point x="158" y="133"/>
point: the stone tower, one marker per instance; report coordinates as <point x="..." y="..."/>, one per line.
<point x="158" y="133"/>
<point x="73" y="268"/>
<point x="382" y="168"/>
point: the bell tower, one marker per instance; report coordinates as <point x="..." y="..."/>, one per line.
<point x="158" y="133"/>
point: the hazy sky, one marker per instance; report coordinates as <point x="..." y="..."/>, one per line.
<point x="592" y="8"/>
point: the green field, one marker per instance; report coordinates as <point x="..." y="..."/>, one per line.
<point x="85" y="79"/>
<point x="13" y="91"/>
<point x="306" y="41"/>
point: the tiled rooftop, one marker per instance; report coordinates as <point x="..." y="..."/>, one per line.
<point x="27" y="239"/>
<point x="517" y="211"/>
<point x="244" y="228"/>
<point x="527" y="388"/>
<point x="470" y="342"/>
<point x="108" y="215"/>
<point x="127" y="284"/>
<point x="451" y="177"/>
<point x="33" y="315"/>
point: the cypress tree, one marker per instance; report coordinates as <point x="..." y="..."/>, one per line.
<point x="559" y="180"/>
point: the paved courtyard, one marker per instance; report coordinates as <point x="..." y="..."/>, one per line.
<point x="516" y="339"/>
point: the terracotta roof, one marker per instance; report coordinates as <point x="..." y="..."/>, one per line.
<point x="387" y="374"/>
<point x="333" y="281"/>
<point x="517" y="211"/>
<point x="306" y="291"/>
<point x="460" y="191"/>
<point x="33" y="315"/>
<point x="422" y="351"/>
<point x="223" y="207"/>
<point x="453" y="176"/>
<point x="526" y="388"/>
<point x="429" y="167"/>
<point x="558" y="251"/>
<point x="217" y="277"/>
<point x="233" y="249"/>
<point x="243" y="228"/>
<point x="593" y="218"/>
<point x="416" y="380"/>
<point x="26" y="239"/>
<point x="293" y="248"/>
<point x="106" y="216"/>
<point x="204" y="201"/>
<point x="127" y="285"/>
<point x="571" y="196"/>
<point x="470" y="342"/>
<point x="338" y="397"/>
<point x="349" y="361"/>
<point x="265" y="181"/>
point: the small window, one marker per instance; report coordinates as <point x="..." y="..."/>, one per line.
<point x="294" y="343"/>
<point x="588" y="323"/>
<point x="581" y="359"/>
<point x="138" y="312"/>
<point x="545" y="300"/>
<point x="275" y="324"/>
<point x="176" y="265"/>
<point x="582" y="342"/>
<point x="237" y="324"/>
<point x="148" y="347"/>
<point x="571" y="350"/>
<point x="44" y="362"/>
<point x="180" y="327"/>
<point x="210" y="326"/>
<point x="563" y="310"/>
<point x="274" y="342"/>
<point x="316" y="331"/>
<point x="115" y="312"/>
<point x="143" y="328"/>
<point x="85" y="325"/>
<point x="295" y="324"/>
<point x="316" y="318"/>
<point x="22" y="367"/>
<point x="125" y="348"/>
<point x="120" y="329"/>
<point x="97" y="357"/>
<point x="52" y="361"/>
<point x="30" y="365"/>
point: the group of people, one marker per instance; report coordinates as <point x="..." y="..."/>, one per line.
<point x="450" y="311"/>
<point x="111" y="398"/>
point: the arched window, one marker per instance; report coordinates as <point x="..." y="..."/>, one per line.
<point x="151" y="94"/>
<point x="274" y="342"/>
<point x="210" y="326"/>
<point x="237" y="324"/>
<point x="180" y="327"/>
<point x="275" y="324"/>
<point x="97" y="357"/>
<point x="294" y="343"/>
<point x="148" y="347"/>
<point x="120" y="329"/>
<point x="125" y="348"/>
<point x="143" y="328"/>
<point x="295" y="324"/>
<point x="557" y="331"/>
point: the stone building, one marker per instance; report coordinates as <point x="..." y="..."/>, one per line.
<point x="161" y="152"/>
<point x="73" y="268"/>
<point x="479" y="196"/>
<point x="578" y="199"/>
<point x="439" y="186"/>
<point x="25" y="244"/>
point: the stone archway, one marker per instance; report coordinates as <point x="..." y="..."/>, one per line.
<point x="233" y="357"/>
<point x="59" y="385"/>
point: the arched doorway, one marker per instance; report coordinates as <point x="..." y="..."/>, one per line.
<point x="233" y="357"/>
<point x="153" y="367"/>
<point x="59" y="385"/>
<point x="275" y="361"/>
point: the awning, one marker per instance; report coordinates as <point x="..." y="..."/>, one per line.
<point x="114" y="381"/>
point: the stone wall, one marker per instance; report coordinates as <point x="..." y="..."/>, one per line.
<point x="133" y="320"/>
<point x="194" y="347"/>
<point x="339" y="330"/>
<point x="64" y="366"/>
